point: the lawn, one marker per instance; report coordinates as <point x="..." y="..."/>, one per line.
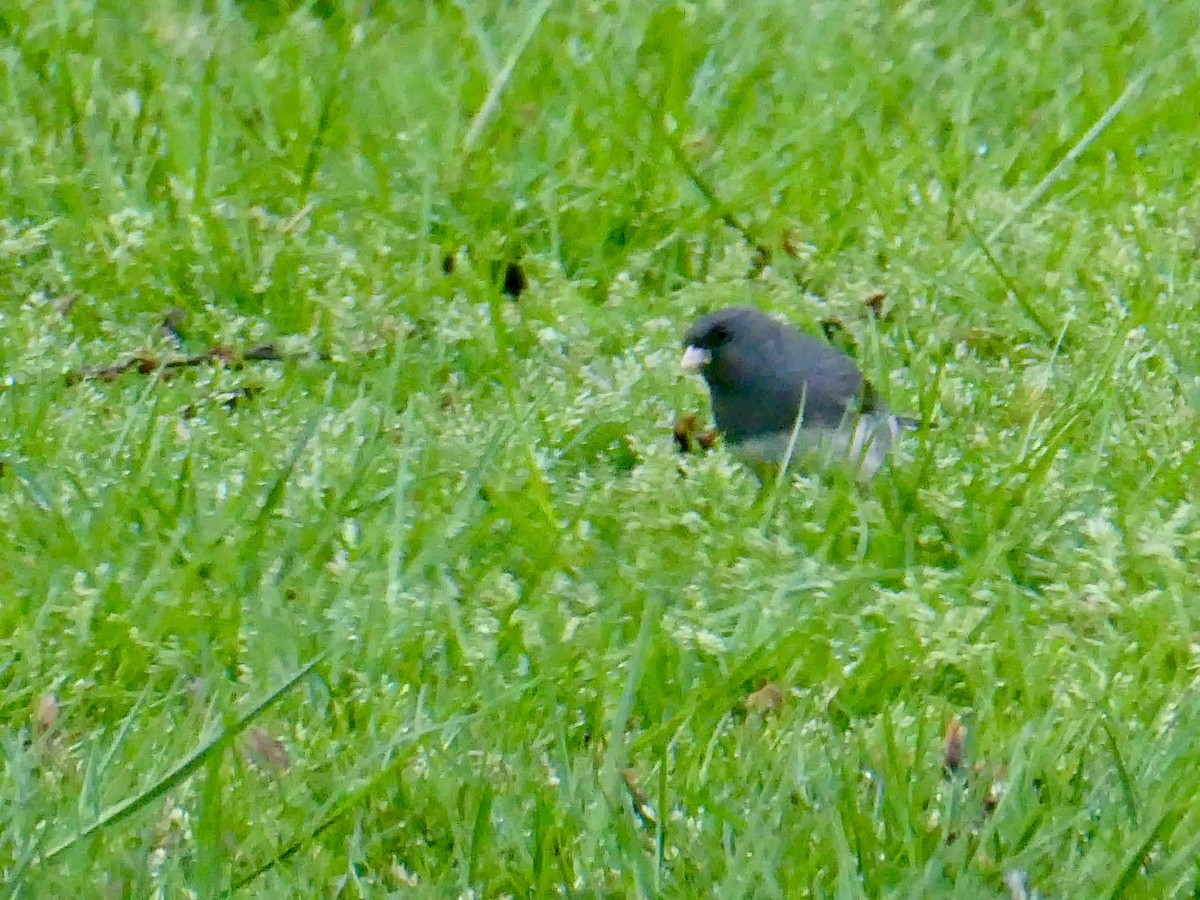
<point x="345" y="546"/>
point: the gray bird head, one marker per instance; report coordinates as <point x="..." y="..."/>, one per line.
<point x="765" y="378"/>
<point x="727" y="346"/>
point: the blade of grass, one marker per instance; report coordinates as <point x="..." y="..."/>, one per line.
<point x="718" y="206"/>
<point x="1136" y="857"/>
<point x="1089" y="137"/>
<point x="334" y="810"/>
<point x="16" y="881"/>
<point x="480" y="832"/>
<point x="1009" y="287"/>
<point x="192" y="763"/>
<point x="205" y="138"/>
<point x="492" y="101"/>
<point x="618" y="743"/>
<point x="1127" y="791"/>
<point x="91" y="784"/>
<point x="781" y="474"/>
<point x="316" y="146"/>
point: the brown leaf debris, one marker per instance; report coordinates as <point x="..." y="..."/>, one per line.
<point x="768" y="699"/>
<point x="641" y="805"/>
<point x="874" y="302"/>
<point x="267" y="751"/>
<point x="952" y="744"/>
<point x="687" y="433"/>
<point x="45" y="712"/>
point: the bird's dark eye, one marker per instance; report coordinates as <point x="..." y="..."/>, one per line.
<point x="719" y="335"/>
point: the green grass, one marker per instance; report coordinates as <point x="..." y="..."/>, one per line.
<point x="434" y="601"/>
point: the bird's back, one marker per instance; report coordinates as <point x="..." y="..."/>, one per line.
<point x="792" y="368"/>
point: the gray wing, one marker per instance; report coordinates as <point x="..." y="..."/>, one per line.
<point x="827" y="378"/>
<point x="792" y="368"/>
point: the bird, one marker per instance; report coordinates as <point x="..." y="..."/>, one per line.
<point x="769" y="381"/>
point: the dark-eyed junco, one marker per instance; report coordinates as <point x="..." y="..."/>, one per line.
<point x="768" y="379"/>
